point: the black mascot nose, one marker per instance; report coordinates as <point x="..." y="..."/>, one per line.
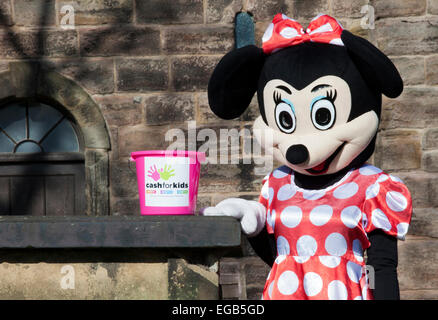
<point x="297" y="154"/>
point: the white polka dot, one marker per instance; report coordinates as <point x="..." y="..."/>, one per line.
<point x="288" y="33"/>
<point x="301" y="259"/>
<point x="320" y="215"/>
<point x="337" y="42"/>
<point x="282" y="246"/>
<point x="369" y="170"/>
<point x="337" y="290"/>
<point x="396" y="179"/>
<point x="291" y="216"/>
<point x="280" y="259"/>
<point x="350" y="216"/>
<point x="382" y="177"/>
<point x="281" y="172"/>
<point x="330" y="261"/>
<point x="396" y="201"/>
<point x="312" y="283"/>
<point x="335" y="244"/>
<point x="358" y="250"/>
<point x="271" y="195"/>
<point x="287" y="282"/>
<point x="402" y="229"/>
<point x="270" y="288"/>
<point x="286" y="192"/>
<point x="265" y="190"/>
<point x="271" y="219"/>
<point x="358" y="298"/>
<point x="268" y="33"/>
<point x="354" y="271"/>
<point x="306" y="246"/>
<point x="346" y="190"/>
<point x="313" y="194"/>
<point x="372" y="191"/>
<point x="380" y="220"/>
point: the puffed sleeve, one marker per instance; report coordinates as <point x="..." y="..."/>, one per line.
<point x="264" y="200"/>
<point x="388" y="206"/>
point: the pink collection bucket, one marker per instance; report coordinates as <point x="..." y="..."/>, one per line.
<point x="168" y="181"/>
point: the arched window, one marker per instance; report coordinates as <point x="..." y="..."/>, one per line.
<point x="41" y="160"/>
<point x="35" y="127"/>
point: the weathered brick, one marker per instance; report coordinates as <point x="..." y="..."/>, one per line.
<point x="169" y="108"/>
<point x="432" y="6"/>
<point x="349" y="9"/>
<point x="123" y="179"/>
<point x="222" y="11"/>
<point x="207" y="116"/>
<point x="192" y="39"/>
<point x="120" y="110"/>
<point x="6" y="13"/>
<point x="398" y="149"/>
<point x="395" y="8"/>
<point x="169" y="11"/>
<point x="192" y="73"/>
<point x="418" y="262"/>
<point x="31" y="44"/>
<point x="136" y="138"/>
<point x="116" y="40"/>
<point x="303" y="11"/>
<point x="432" y="70"/>
<point x="125" y="207"/>
<point x="15" y="44"/>
<point x="430" y="161"/>
<point x="430" y="139"/>
<point x="34" y="12"/>
<point x="142" y="75"/>
<point x="63" y="43"/>
<point x="415" y="108"/>
<point x="266" y="10"/>
<point x="91" y="12"/>
<point x="411" y="69"/>
<point x="408" y="36"/>
<point x="424" y="222"/>
<point x="219" y="178"/>
<point x="96" y="75"/>
<point x="427" y="294"/>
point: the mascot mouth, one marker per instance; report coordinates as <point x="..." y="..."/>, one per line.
<point x="323" y="166"/>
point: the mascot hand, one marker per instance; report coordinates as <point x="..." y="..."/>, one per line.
<point x="251" y="214"/>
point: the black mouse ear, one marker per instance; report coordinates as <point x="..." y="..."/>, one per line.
<point x="234" y="81"/>
<point x="374" y="65"/>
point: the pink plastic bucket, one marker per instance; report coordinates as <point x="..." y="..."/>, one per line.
<point x="168" y="181"/>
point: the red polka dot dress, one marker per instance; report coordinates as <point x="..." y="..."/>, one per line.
<point x="321" y="234"/>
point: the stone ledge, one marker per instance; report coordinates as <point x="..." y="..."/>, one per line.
<point x="119" y="232"/>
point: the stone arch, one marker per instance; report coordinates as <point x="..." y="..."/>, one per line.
<point x="30" y="79"/>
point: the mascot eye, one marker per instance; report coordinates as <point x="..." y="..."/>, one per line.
<point x="323" y="114"/>
<point x="285" y="117"/>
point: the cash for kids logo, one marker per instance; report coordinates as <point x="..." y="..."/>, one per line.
<point x="164" y="174"/>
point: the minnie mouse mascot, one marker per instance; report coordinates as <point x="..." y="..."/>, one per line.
<point x="319" y="92"/>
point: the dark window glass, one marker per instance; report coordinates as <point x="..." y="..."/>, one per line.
<point x="35" y="127"/>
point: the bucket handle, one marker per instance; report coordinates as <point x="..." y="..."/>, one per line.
<point x="130" y="160"/>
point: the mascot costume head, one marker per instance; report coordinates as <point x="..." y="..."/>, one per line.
<point x="319" y="92"/>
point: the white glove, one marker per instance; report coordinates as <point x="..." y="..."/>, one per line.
<point x="252" y="214"/>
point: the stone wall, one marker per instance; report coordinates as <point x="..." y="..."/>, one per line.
<point x="147" y="64"/>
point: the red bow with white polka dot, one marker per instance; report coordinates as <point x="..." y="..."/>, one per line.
<point x="284" y="32"/>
